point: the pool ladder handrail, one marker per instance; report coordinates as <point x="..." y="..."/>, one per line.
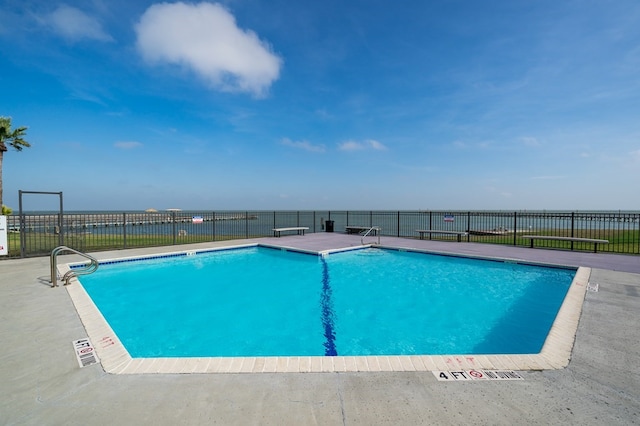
<point x="87" y="269"/>
<point x="373" y="228"/>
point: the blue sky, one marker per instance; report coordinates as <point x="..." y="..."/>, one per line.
<point x="253" y="104"/>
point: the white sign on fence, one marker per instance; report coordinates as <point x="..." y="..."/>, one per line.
<point x="4" y="242"/>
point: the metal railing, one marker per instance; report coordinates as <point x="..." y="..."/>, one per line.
<point x="82" y="270"/>
<point x="37" y="234"/>
<point x="377" y="233"/>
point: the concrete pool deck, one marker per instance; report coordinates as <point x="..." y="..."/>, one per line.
<point x="41" y="383"/>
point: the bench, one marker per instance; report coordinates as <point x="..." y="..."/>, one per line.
<point x="460" y="234"/>
<point x="595" y="241"/>
<point x="358" y="229"/>
<point x="299" y="229"/>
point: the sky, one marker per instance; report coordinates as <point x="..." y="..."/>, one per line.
<point x="338" y="105"/>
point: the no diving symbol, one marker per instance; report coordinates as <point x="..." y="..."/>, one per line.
<point x="85" y="350"/>
<point x="476" y="374"/>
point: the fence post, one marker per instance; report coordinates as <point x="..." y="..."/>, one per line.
<point x="61" y="238"/>
<point x="60" y="229"/>
<point x="468" y="226"/>
<point x="23" y="228"/>
<point x="398" y="224"/>
<point x="572" y="227"/>
<point x="213" y="220"/>
<point x="173" y="227"/>
<point x="515" y="228"/>
<point x="246" y="224"/>
<point x="124" y="229"/>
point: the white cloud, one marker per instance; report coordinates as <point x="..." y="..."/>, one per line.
<point x="352" y="145"/>
<point x="205" y="39"/>
<point x="75" y="25"/>
<point x="127" y="144"/>
<point x="530" y="141"/>
<point x="373" y="144"/>
<point x="305" y="145"/>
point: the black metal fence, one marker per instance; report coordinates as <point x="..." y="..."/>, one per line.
<point x="37" y="234"/>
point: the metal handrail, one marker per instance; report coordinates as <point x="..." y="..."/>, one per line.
<point x="88" y="269"/>
<point x="376" y="228"/>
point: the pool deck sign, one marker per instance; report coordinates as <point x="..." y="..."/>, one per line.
<point x="85" y="352"/>
<point x="469" y="375"/>
<point x="4" y="243"/>
<point x="449" y="218"/>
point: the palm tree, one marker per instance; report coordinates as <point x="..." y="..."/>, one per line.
<point x="12" y="138"/>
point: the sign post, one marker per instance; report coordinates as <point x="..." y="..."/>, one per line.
<point x="4" y="242"/>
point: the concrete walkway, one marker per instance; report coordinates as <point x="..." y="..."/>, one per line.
<point x="41" y="383"/>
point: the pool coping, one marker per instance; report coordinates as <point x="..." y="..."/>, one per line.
<point x="115" y="359"/>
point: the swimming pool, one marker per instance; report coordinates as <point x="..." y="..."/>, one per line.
<point x="324" y="305"/>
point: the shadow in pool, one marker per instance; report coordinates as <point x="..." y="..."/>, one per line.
<point x="524" y="328"/>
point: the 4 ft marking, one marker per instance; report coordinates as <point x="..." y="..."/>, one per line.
<point x="466" y="375"/>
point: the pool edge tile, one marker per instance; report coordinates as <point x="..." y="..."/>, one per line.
<point x="328" y="364"/>
<point x="316" y="364"/>
<point x="224" y="365"/>
<point x="417" y="363"/>
<point x="384" y="363"/>
<point x="350" y="364"/>
<point x="304" y="364"/>
<point x="258" y="365"/>
<point x="361" y="363"/>
<point x="281" y="364"/>
<point x="395" y="362"/>
<point x="406" y="363"/>
<point x="236" y="365"/>
<point x="339" y="364"/>
<point x="248" y="364"/>
<point x="270" y="365"/>
<point x="372" y="363"/>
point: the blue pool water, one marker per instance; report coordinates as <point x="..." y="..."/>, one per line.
<point x="261" y="301"/>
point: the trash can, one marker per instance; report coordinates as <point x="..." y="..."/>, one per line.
<point x="328" y="225"/>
